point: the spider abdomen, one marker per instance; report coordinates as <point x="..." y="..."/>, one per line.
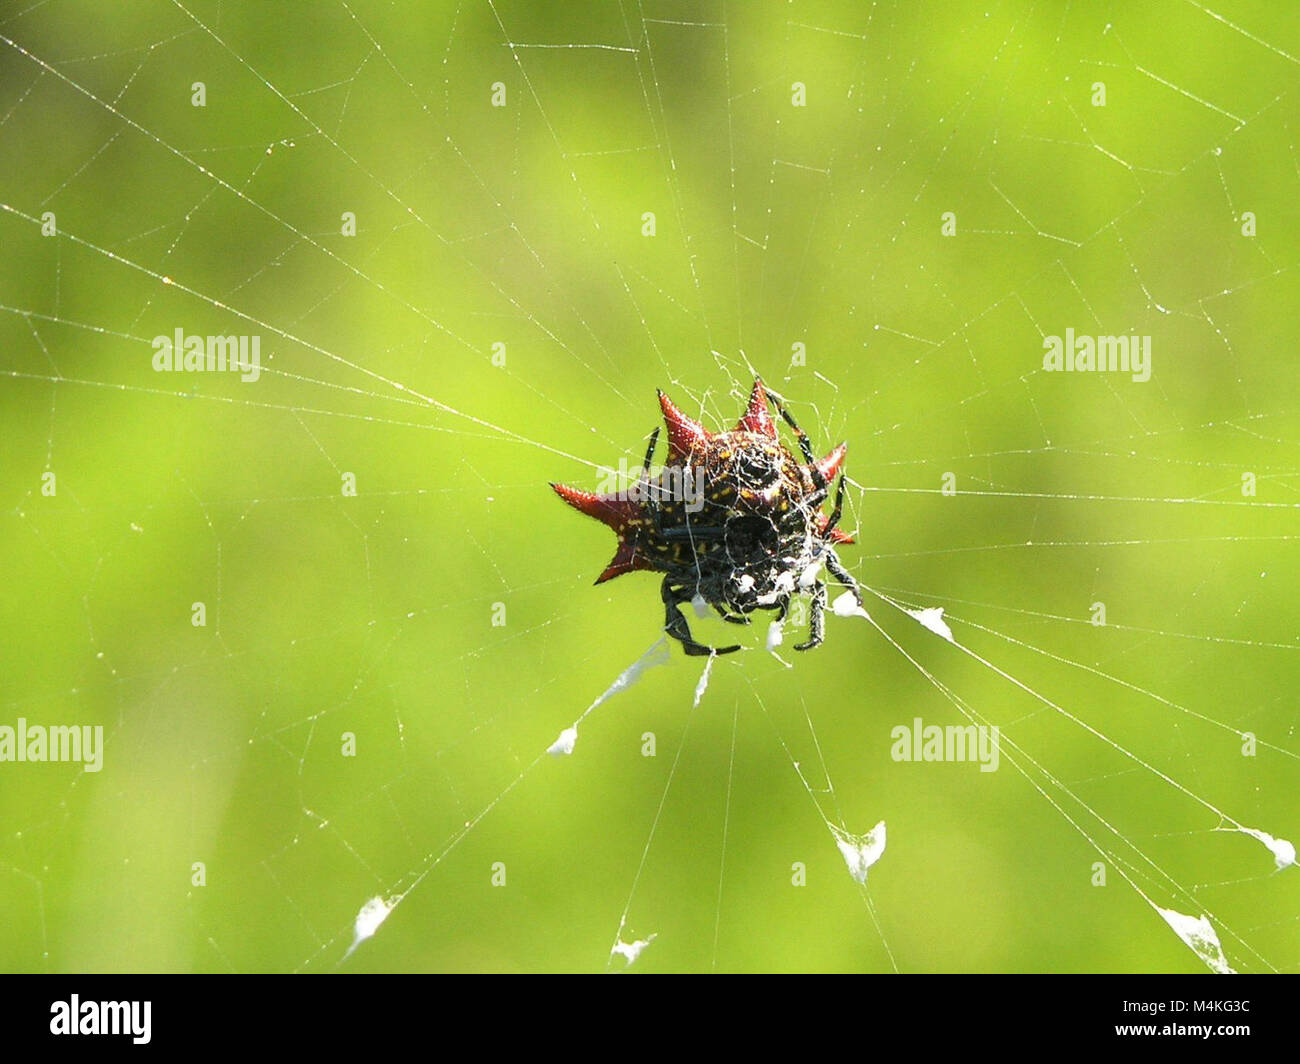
<point x="734" y="519"/>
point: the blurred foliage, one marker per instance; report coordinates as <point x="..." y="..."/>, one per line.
<point x="522" y="225"/>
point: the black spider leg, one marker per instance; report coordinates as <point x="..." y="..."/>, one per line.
<point x="837" y="511"/>
<point x="691" y="533"/>
<point x="802" y="436"/>
<point x="781" y="607"/>
<point x="816" y="618"/>
<point x="675" y="621"/>
<point x="805" y="446"/>
<point x="650" y="453"/>
<point x="833" y="563"/>
<point x="817" y="612"/>
<point x="841" y="574"/>
<point x="679" y="533"/>
<point x="649" y="457"/>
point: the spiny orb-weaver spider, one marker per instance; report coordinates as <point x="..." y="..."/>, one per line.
<point x="751" y="535"/>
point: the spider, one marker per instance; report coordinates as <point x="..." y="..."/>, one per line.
<point x="749" y="536"/>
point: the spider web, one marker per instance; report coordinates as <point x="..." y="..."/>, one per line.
<point x="500" y="319"/>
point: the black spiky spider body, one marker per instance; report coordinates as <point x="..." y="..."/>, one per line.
<point x="734" y="520"/>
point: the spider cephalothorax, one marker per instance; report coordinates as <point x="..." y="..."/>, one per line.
<point x="734" y="519"/>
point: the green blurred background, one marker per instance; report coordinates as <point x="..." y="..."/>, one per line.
<point x="522" y="225"/>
